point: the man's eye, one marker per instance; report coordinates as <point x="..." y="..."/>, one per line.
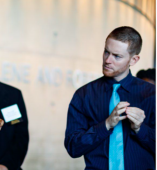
<point x="116" y="56"/>
<point x="106" y="52"/>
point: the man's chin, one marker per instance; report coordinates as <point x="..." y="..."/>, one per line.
<point x="108" y="74"/>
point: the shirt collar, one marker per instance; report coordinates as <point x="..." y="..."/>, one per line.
<point x="125" y="83"/>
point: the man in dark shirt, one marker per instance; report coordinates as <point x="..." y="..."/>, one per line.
<point x="14" y="135"/>
<point x="90" y="124"/>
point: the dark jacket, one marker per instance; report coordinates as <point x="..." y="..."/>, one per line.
<point x="13" y="138"/>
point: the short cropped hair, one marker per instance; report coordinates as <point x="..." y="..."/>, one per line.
<point x="128" y="35"/>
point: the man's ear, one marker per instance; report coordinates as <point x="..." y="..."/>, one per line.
<point x="134" y="60"/>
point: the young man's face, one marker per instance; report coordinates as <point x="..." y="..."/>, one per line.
<point x="116" y="59"/>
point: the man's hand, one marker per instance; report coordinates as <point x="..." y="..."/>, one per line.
<point x="115" y="117"/>
<point x="1" y="123"/>
<point x="2" y="167"/>
<point x="136" y="117"/>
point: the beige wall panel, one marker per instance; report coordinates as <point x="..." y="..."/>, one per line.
<point x="49" y="48"/>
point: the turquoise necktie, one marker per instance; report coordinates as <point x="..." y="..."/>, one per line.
<point x="116" y="151"/>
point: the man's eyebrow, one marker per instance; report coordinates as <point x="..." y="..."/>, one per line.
<point x="118" y="54"/>
<point x="113" y="53"/>
<point x="105" y="49"/>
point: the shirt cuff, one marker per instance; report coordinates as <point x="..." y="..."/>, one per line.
<point x="142" y="133"/>
<point x="102" y="130"/>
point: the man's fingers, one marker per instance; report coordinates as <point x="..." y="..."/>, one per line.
<point x="122" y="117"/>
<point x="1" y="122"/>
<point x="136" y="110"/>
<point x="133" y="120"/>
<point x="138" y="117"/>
<point x="123" y="102"/>
<point x="135" y="116"/>
<point x="119" y="112"/>
<point x="121" y="105"/>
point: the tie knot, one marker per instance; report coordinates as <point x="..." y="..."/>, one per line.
<point x="115" y="87"/>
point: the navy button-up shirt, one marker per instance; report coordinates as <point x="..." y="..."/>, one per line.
<point x="86" y="133"/>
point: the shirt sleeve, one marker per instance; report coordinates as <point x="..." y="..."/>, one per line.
<point x="80" y="138"/>
<point x="146" y="134"/>
<point x="17" y="150"/>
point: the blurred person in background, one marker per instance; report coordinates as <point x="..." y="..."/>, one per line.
<point x="14" y="134"/>
<point x="147" y="75"/>
<point x="111" y="121"/>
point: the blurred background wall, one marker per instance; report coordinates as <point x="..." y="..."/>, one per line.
<point x="49" y="48"/>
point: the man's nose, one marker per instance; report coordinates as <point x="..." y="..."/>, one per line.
<point x="108" y="59"/>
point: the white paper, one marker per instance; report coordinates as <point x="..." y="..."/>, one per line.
<point x="11" y="113"/>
